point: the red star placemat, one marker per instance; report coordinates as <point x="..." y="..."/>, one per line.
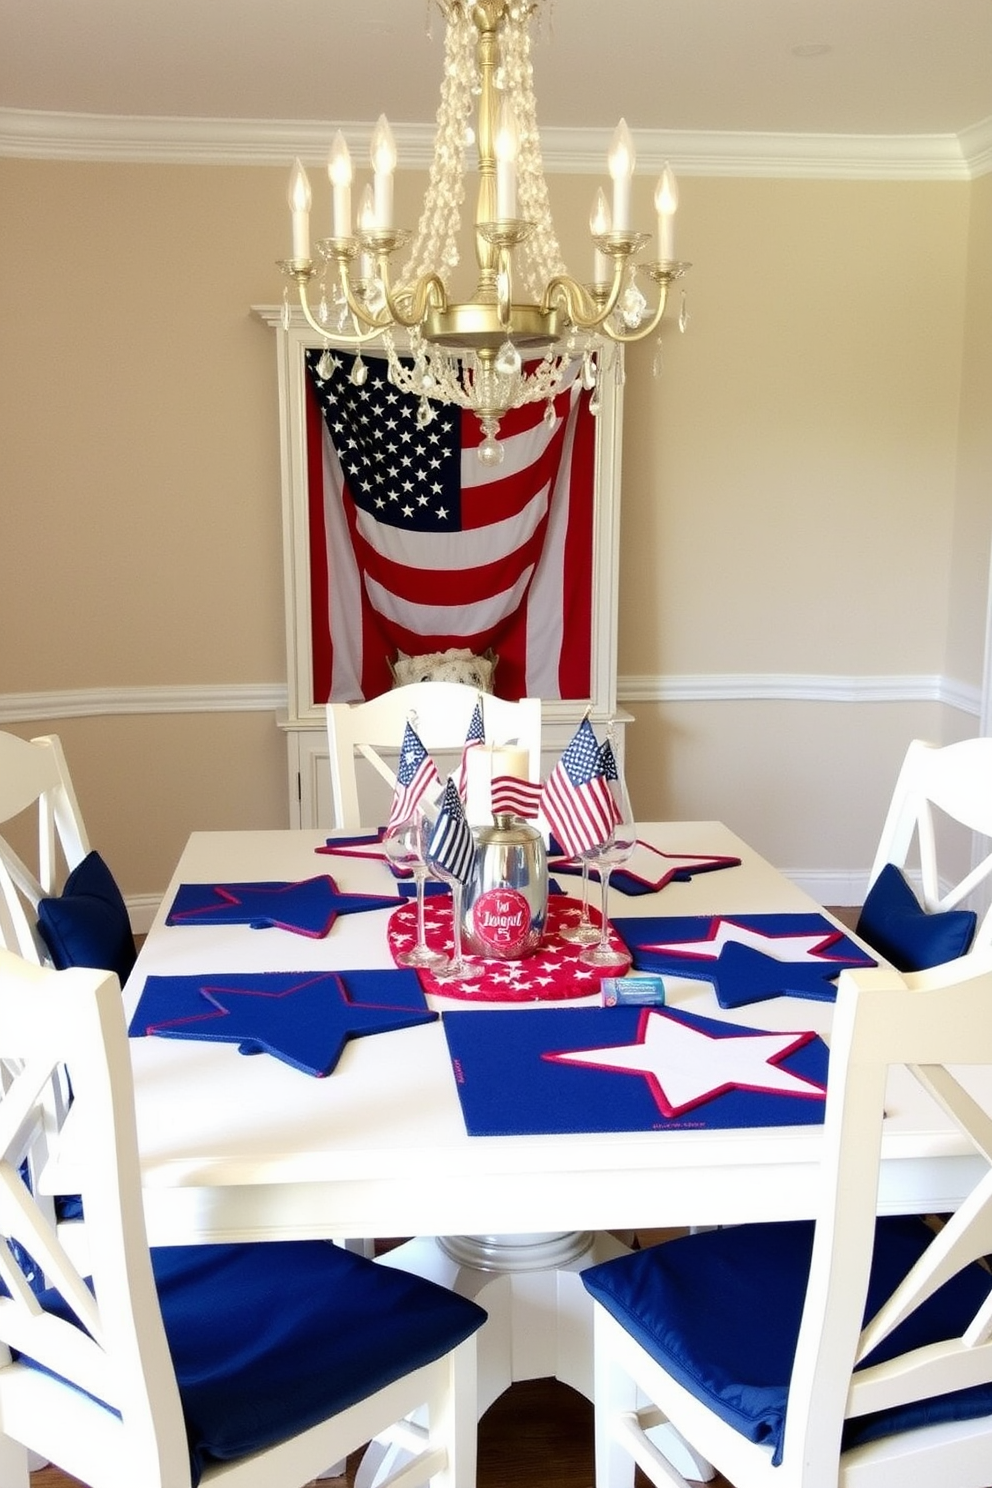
<point x="553" y="973"/>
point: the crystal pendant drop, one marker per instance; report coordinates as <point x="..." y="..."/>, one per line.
<point x="550" y="417"/>
<point x="286" y="316"/>
<point x="375" y="297"/>
<point x="632" y="307"/>
<point x="359" y="372"/>
<point x="425" y="414"/>
<point x="323" y="309"/>
<point x="508" y="361"/>
<point x="490" y="452"/>
<point x="683" y="314"/>
<point x="328" y="364"/>
<point x="588" y="371"/>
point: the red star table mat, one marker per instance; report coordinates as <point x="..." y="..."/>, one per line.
<point x="618" y="1069"/>
<point x="553" y="974"/>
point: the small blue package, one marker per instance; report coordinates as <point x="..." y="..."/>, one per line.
<point x="633" y="991"/>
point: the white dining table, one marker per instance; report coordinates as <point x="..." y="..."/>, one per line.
<point x="249" y="1148"/>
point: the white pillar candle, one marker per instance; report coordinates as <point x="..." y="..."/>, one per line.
<point x="506" y="164"/>
<point x="299" y="205"/>
<point x="339" y="171"/>
<point x="666" y="200"/>
<point x="599" y="226"/>
<point x="383" y="165"/>
<point x="484" y="763"/>
<point x="621" y="160"/>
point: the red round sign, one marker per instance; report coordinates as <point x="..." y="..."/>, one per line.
<point x="501" y="920"/>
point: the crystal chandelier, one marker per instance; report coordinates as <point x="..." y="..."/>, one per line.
<point x="528" y="320"/>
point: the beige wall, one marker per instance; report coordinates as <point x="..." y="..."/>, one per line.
<point x="805" y="489"/>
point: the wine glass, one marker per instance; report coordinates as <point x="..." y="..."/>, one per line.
<point x="583" y="932"/>
<point x="617" y="849"/>
<point x="405" y="846"/>
<point x="454" y="968"/>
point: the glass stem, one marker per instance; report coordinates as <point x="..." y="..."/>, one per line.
<point x="456" y="922"/>
<point x="584" y="916"/>
<point x="604" y="885"/>
<point x="420" y="876"/>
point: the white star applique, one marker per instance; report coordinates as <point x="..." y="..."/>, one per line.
<point x="811" y="946"/>
<point x="685" y="1066"/>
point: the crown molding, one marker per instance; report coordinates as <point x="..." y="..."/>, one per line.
<point x="33" y="135"/>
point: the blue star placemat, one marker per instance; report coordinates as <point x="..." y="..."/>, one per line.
<point x="650" y="869"/>
<point x="629" y="1069"/>
<point x="302" y="1018"/>
<point x="306" y="908"/>
<point x="746" y="958"/>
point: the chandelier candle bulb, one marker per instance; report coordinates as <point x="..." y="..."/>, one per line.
<point x="666" y="200"/>
<point x="383" y="165"/>
<point x="621" y="159"/>
<point x="483" y="764"/>
<point x="340" y="174"/>
<point x="599" y="226"/>
<point x="506" y="143"/>
<point x="299" y="205"/>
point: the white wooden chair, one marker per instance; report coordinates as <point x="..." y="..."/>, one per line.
<point x="443" y="714"/>
<point x="749" y="1340"/>
<point x="242" y="1365"/>
<point x="33" y="773"/>
<point x="942" y="797"/>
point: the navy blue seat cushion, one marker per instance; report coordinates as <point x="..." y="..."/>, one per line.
<point x="88" y="924"/>
<point x="721" y="1312"/>
<point x="895" y="924"/>
<point x="268" y="1340"/>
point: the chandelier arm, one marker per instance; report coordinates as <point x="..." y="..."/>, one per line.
<point x="409" y="305"/>
<point x="626" y="337"/>
<point x="344" y="338"/>
<point x="580" y="307"/>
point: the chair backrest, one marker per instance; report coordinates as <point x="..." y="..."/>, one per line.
<point x="33" y="773"/>
<point x="934" y="1024"/>
<point x="956" y="779"/>
<point x="50" y="1019"/>
<point x="442" y="712"/>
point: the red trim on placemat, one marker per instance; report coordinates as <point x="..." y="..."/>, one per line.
<point x="553" y="973"/>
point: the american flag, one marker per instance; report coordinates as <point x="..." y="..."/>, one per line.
<point x="577" y="799"/>
<point x="513" y="797"/>
<point x="476" y="735"/>
<point x="608" y="761"/>
<point x="451" y="851"/>
<point x="416" y="546"/>
<point x="417" y="774"/>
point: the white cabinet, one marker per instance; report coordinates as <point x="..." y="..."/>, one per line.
<point x="303" y="723"/>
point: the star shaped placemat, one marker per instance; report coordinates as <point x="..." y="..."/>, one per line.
<point x="303" y="1018"/>
<point x="629" y="1069"/>
<point x="309" y="907"/>
<point x="649" y="869"/>
<point x="747" y="958"/>
<point x="553" y="973"/>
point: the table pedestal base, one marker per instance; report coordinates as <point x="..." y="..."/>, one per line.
<point x="540" y="1318"/>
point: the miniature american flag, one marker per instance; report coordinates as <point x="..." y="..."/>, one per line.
<point x="476" y="735"/>
<point x="451" y="851"/>
<point x="577" y="799"/>
<point x="417" y="774"/>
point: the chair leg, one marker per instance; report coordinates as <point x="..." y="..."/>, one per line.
<point x="13" y="1464"/>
